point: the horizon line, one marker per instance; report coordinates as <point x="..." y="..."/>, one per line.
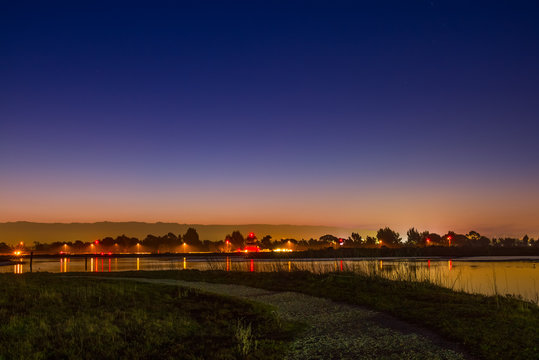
<point x="168" y="222"/>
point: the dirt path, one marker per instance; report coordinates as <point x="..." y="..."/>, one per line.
<point x="336" y="330"/>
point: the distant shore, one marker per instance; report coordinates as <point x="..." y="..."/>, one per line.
<point x="489" y="253"/>
<point x="6" y="263"/>
<point x="202" y="257"/>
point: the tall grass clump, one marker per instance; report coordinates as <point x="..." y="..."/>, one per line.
<point x="44" y="316"/>
<point x="244" y="336"/>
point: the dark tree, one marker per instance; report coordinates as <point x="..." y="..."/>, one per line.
<point x="37" y="246"/>
<point x="370" y="240"/>
<point x="449" y="238"/>
<point x="508" y="242"/>
<point x="329" y="238"/>
<point x="483" y="241"/>
<point x="414" y="237"/>
<point x="236" y="239"/>
<point x="208" y="245"/>
<point x="191" y="238"/>
<point x="477" y="240"/>
<point x="170" y="241"/>
<point x="151" y="242"/>
<point x="435" y="239"/>
<point x="356" y="238"/>
<point x="388" y="236"/>
<point x="4" y="248"/>
<point x="265" y="243"/>
<point x="108" y="242"/>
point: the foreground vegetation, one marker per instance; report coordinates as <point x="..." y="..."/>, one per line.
<point x="43" y="316"/>
<point x="494" y="327"/>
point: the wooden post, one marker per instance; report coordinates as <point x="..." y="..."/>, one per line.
<point x="86" y="263"/>
<point x="31" y="259"/>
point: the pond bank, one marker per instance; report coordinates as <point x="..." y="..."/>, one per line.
<point x="336" y="330"/>
<point x="484" y="325"/>
<point x="44" y="316"/>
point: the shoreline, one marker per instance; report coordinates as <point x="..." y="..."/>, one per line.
<point x="247" y="257"/>
<point x="476" y="321"/>
<point x="9" y="262"/>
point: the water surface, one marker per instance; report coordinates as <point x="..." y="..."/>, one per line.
<point x="515" y="276"/>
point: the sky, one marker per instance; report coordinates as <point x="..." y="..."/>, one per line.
<point x="359" y="114"/>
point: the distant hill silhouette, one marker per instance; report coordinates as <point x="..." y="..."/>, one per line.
<point x="14" y="232"/>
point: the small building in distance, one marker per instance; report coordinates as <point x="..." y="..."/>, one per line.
<point x="251" y="243"/>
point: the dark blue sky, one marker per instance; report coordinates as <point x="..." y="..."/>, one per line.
<point x="178" y="109"/>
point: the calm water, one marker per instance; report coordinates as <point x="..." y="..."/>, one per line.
<point x="475" y="275"/>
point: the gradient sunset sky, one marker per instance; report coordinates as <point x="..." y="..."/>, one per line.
<point x="359" y="114"/>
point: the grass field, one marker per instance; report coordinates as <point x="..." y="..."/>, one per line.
<point x="44" y="316"/>
<point x="490" y="327"/>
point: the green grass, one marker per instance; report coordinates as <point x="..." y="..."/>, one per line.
<point x="490" y="327"/>
<point x="44" y="316"/>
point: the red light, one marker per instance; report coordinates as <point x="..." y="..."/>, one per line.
<point x="97" y="242"/>
<point x="110" y="253"/>
<point x="228" y="242"/>
<point x="102" y="254"/>
<point x="251" y="235"/>
<point x="449" y="237"/>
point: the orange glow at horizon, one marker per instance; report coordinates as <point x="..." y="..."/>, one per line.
<point x="437" y="207"/>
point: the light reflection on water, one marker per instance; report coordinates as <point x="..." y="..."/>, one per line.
<point x="519" y="278"/>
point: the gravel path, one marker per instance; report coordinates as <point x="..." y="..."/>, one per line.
<point x="336" y="330"/>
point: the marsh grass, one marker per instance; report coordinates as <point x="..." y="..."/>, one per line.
<point x="246" y="341"/>
<point x="490" y="327"/>
<point x="454" y="278"/>
<point x="47" y="317"/>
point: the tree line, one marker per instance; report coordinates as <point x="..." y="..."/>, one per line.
<point x="191" y="242"/>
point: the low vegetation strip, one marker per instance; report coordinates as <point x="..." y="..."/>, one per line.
<point x="334" y="330"/>
<point x="47" y="317"/>
<point x="490" y="327"/>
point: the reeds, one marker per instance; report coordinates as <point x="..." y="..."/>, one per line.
<point x="414" y="272"/>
